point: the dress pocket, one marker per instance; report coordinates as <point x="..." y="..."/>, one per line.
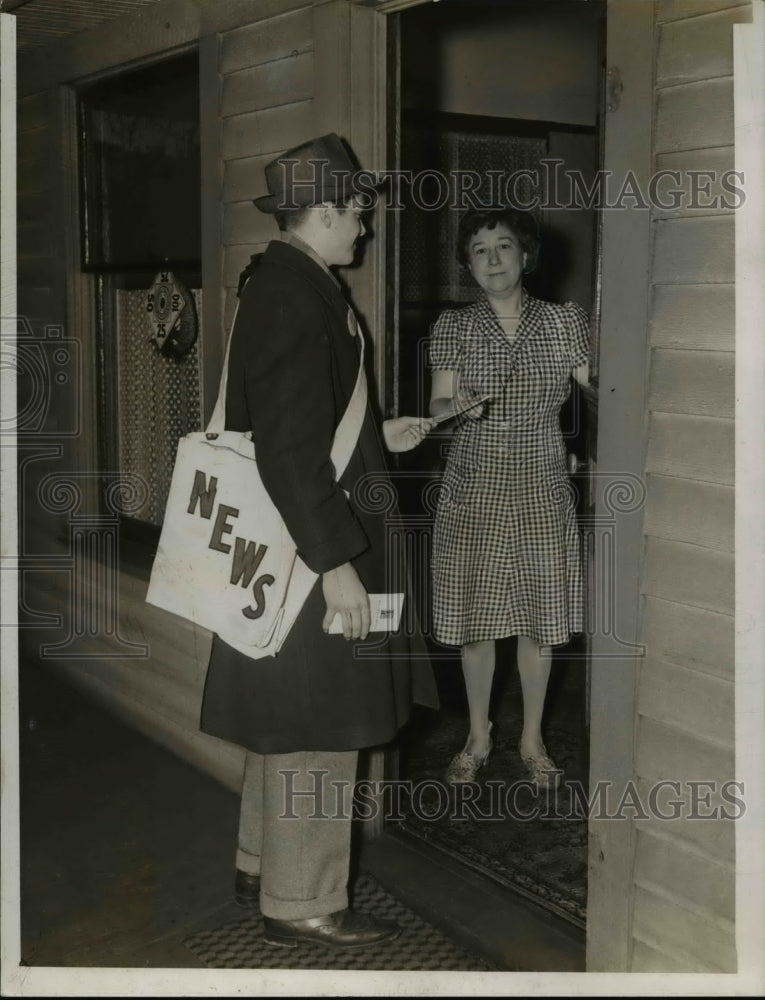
<point x="462" y="486"/>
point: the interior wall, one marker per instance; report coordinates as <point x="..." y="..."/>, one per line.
<point x="532" y="63"/>
<point x="538" y="61"/>
<point x="572" y="231"/>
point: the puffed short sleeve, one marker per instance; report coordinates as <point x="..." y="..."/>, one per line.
<point x="579" y="333"/>
<point x="445" y="343"/>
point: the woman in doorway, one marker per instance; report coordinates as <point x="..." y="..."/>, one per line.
<point x="506" y="556"/>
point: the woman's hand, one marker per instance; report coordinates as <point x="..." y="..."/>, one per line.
<point x="582" y="375"/>
<point x="345" y="594"/>
<point x="405" y="433"/>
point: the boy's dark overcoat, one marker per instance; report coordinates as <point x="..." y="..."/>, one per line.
<point x="293" y="365"/>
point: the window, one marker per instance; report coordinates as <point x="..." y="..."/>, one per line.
<point x="141" y="219"/>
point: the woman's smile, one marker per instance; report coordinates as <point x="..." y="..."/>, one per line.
<point x="496" y="260"/>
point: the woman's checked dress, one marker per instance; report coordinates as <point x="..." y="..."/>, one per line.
<point x="506" y="558"/>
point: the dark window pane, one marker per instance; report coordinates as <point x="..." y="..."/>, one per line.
<point x="140" y="147"/>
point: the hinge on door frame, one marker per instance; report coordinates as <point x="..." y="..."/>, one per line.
<point x="614" y="88"/>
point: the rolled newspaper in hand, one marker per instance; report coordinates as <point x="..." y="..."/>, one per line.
<point x="456" y="408"/>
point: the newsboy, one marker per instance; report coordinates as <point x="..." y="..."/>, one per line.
<point x="303" y="715"/>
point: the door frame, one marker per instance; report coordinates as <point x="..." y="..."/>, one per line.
<point x="621" y="448"/>
<point x="621" y="444"/>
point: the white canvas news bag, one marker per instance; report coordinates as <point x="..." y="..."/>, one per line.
<point x="225" y="559"/>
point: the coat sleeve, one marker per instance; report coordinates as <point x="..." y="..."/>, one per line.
<point x="290" y="400"/>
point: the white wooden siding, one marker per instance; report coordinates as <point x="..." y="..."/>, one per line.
<point x="284" y="80"/>
<point x="698" y="48"/>
<point x="648" y="959"/>
<point x="159" y="693"/>
<point x="278" y="37"/>
<point x="691" y="251"/>
<point x="677" y="930"/>
<point x="687" y="699"/>
<point x="692" y="447"/>
<point x="271" y="130"/>
<point x="670" y="10"/>
<point x="268" y="79"/>
<point x="687" y="873"/>
<point x="693" y="316"/>
<point x="244" y="225"/>
<point x="692" y="382"/>
<point x="684" y="869"/>
<point x="236" y="258"/>
<point x="714" y="192"/>
<point x="665" y="752"/>
<point x="694" y="116"/>
<point x="690" y="636"/>
<point x="713" y="836"/>
<point x="243" y="177"/>
<point x="688" y="574"/>
<point x="689" y="511"/>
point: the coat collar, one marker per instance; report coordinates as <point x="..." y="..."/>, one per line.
<point x="295" y="241"/>
<point x="287" y="254"/>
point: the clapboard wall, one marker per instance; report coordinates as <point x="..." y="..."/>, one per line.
<point x="267" y="74"/>
<point x="684" y="905"/>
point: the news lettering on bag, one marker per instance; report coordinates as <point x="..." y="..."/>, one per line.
<point x="247" y="555"/>
<point x="222" y="527"/>
<point x="244" y="566"/>
<point x="204" y="494"/>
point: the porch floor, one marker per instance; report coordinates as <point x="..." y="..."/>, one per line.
<point x="126" y="851"/>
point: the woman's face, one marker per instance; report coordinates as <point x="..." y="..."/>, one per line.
<point x="496" y="260"/>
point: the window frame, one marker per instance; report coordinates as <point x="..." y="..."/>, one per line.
<point x="138" y="539"/>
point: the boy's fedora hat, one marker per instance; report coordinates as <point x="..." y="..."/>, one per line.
<point x="315" y="171"/>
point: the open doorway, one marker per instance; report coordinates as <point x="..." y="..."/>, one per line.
<point x="511" y="90"/>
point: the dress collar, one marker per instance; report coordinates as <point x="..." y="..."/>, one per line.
<point x="489" y="317"/>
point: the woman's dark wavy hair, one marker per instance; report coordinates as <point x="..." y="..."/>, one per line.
<point x="523" y="225"/>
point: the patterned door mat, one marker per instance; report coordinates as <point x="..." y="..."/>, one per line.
<point x="239" y="944"/>
<point x="534" y="845"/>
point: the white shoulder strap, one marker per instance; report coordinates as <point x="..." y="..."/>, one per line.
<point x="347" y="431"/>
<point x="349" y="428"/>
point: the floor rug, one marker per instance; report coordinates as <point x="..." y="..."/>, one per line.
<point x="239" y="944"/>
<point x="535" y="845"/>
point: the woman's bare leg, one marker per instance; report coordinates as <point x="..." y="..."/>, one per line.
<point x="478" y="671"/>
<point x="534" y="663"/>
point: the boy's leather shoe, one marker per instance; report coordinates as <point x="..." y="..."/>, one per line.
<point x="247" y="889"/>
<point x="344" y="929"/>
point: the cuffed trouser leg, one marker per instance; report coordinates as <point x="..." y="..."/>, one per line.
<point x="301" y="847"/>
<point x="250" y="843"/>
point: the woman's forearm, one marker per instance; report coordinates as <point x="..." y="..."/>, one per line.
<point x="440" y="405"/>
<point x="444" y="388"/>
